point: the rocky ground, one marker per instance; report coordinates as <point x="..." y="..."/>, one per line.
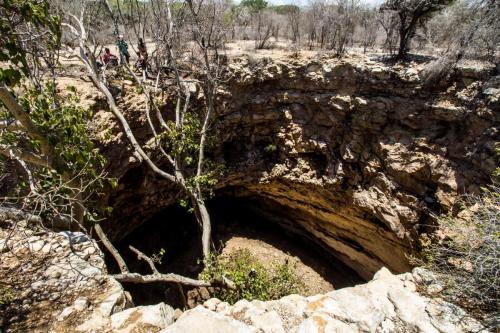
<point x="388" y="303"/>
<point x="42" y="272"/>
<point x="59" y="284"/>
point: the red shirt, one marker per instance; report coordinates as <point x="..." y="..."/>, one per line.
<point x="107" y="57"/>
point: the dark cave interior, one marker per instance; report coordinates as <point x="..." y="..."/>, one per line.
<point x="175" y="230"/>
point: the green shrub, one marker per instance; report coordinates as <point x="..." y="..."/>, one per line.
<point x="253" y="280"/>
<point x="6" y="295"/>
<point x="270" y="148"/>
<point x="465" y="254"/>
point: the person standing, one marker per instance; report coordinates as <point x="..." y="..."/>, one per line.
<point x="123" y="48"/>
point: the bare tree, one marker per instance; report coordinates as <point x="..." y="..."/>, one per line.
<point x="343" y="25"/>
<point x="313" y="18"/>
<point x="474" y="22"/>
<point x="205" y="65"/>
<point x="331" y="25"/>
<point x="264" y="29"/>
<point x="293" y="18"/>
<point x="369" y="26"/>
<point x="207" y="70"/>
<point x="389" y="22"/>
<point x="481" y="29"/>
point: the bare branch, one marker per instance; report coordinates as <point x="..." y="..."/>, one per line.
<point x="144" y="257"/>
<point x="23" y="164"/>
<point x="175" y="278"/>
<point x="114" y="252"/>
<point x="25" y="156"/>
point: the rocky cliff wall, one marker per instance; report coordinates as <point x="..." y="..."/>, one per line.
<point x="355" y="154"/>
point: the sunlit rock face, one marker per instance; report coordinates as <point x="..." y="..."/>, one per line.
<point x="388" y="303"/>
<point x="354" y="154"/>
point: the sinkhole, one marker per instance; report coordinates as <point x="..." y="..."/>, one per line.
<point x="237" y="223"/>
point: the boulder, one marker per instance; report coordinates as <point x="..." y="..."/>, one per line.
<point x="201" y="320"/>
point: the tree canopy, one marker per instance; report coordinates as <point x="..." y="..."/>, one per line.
<point x="19" y="19"/>
<point x="254" y="5"/>
<point x="412" y="13"/>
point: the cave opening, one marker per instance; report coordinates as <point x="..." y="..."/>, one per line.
<point x="237" y="223"/>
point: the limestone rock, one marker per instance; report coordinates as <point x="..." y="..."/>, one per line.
<point x="141" y="318"/>
<point x="201" y="320"/>
<point x="364" y="152"/>
<point x="79" y="302"/>
<point x="388" y="303"/>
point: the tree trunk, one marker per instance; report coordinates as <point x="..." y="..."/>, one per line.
<point x="402" y="43"/>
<point x="206" y="226"/>
<point x="158" y="277"/>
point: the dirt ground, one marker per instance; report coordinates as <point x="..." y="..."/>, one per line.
<point x="268" y="253"/>
<point x="239" y="225"/>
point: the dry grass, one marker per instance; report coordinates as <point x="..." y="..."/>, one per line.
<point x="465" y="254"/>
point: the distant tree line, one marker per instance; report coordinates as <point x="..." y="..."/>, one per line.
<point x="396" y="27"/>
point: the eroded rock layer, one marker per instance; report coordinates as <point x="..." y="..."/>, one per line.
<point x="358" y="155"/>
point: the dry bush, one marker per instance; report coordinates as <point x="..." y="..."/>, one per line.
<point x="344" y="23"/>
<point x="465" y="254"/>
<point x="439" y="70"/>
<point x="368" y="29"/>
<point x="264" y="29"/>
<point x="319" y="24"/>
<point x="293" y="19"/>
<point x="389" y="22"/>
